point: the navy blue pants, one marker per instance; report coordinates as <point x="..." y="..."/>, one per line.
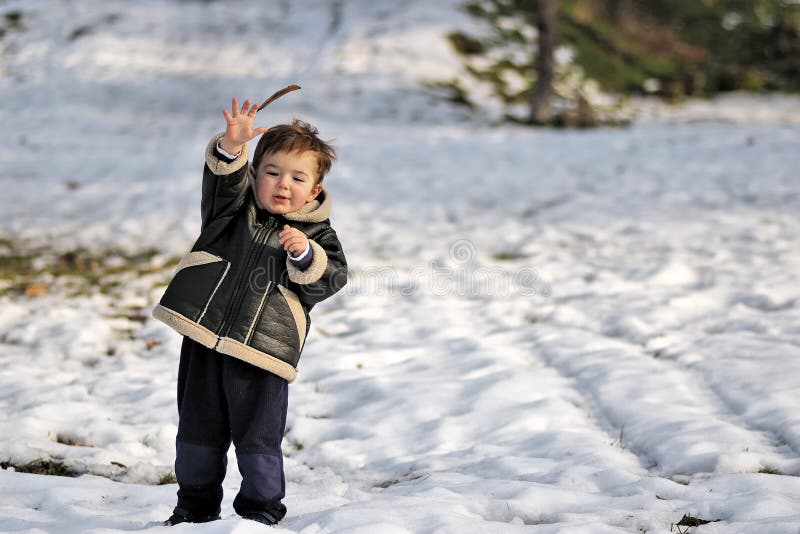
<point x="223" y="399"/>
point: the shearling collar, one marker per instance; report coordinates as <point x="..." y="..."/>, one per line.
<point x="315" y="211"/>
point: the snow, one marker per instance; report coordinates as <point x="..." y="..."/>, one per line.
<point x="547" y="331"/>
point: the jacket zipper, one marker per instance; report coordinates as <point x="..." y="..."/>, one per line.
<point x="237" y="296"/>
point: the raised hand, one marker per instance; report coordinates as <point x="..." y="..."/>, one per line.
<point x="240" y="126"/>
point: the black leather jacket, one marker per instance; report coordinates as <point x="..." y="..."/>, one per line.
<point x="236" y="291"/>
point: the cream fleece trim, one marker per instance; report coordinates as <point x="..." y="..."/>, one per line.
<point x="317" y="210"/>
<point x="314" y="271"/>
<point x="297" y="312"/>
<point x="234" y="348"/>
<point x="226" y="345"/>
<point x="220" y="167"/>
<point x="257" y="315"/>
<point x="198" y="257"/>
<point x="184" y="326"/>
<point x="211" y="297"/>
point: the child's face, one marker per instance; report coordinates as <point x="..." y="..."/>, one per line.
<point x="286" y="181"/>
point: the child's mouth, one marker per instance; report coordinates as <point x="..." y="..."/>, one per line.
<point x="278" y="198"/>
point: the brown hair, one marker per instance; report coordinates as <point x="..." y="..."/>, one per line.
<point x="298" y="137"/>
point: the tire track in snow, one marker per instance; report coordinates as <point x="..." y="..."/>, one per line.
<point x="702" y="395"/>
<point x="599" y="417"/>
<point x="733" y="408"/>
<point x="596" y="419"/>
<point x="668" y="414"/>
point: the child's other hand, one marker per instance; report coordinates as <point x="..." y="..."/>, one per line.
<point x="240" y="126"/>
<point x="293" y="240"/>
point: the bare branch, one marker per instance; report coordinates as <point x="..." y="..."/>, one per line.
<point x="277" y="95"/>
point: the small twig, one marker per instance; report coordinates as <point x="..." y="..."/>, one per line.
<point x="619" y="441"/>
<point x="277" y="95"/>
<point x="689" y="522"/>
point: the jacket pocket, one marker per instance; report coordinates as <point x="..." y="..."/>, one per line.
<point x="298" y="313"/>
<point x="280" y="327"/>
<point x="197" y="277"/>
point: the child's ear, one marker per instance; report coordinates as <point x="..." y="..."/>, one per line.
<point x="251" y="170"/>
<point x="316" y="190"/>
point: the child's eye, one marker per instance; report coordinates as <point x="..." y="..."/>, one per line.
<point x="299" y="179"/>
<point x="272" y="173"/>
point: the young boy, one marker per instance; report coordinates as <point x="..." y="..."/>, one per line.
<point x="241" y="298"/>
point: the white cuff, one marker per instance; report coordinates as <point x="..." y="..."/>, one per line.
<point x="302" y="254"/>
<point x="225" y="153"/>
<point x="220" y="166"/>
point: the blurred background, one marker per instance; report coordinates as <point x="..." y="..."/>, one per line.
<point x="673" y="50"/>
<point x="573" y="243"/>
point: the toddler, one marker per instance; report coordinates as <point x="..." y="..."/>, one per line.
<point x="241" y="298"/>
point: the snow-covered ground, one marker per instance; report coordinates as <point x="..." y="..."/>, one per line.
<point x="544" y="331"/>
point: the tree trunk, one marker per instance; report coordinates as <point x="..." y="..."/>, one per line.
<point x="616" y="9"/>
<point x="545" y="62"/>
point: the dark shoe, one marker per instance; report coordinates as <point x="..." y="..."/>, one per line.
<point x="181" y="515"/>
<point x="270" y="517"/>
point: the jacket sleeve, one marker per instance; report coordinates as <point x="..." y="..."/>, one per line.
<point x="327" y="273"/>
<point x="224" y="183"/>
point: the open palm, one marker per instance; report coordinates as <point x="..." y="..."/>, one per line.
<point x="240" y="128"/>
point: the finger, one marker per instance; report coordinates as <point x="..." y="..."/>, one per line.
<point x="289" y="239"/>
<point x="235" y="106"/>
<point x="253" y="109"/>
<point x="245" y="106"/>
<point x="298" y="248"/>
<point x="288" y="230"/>
<point x="294" y="234"/>
<point x="261" y="130"/>
<point x="227" y="115"/>
<point x="296" y="244"/>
